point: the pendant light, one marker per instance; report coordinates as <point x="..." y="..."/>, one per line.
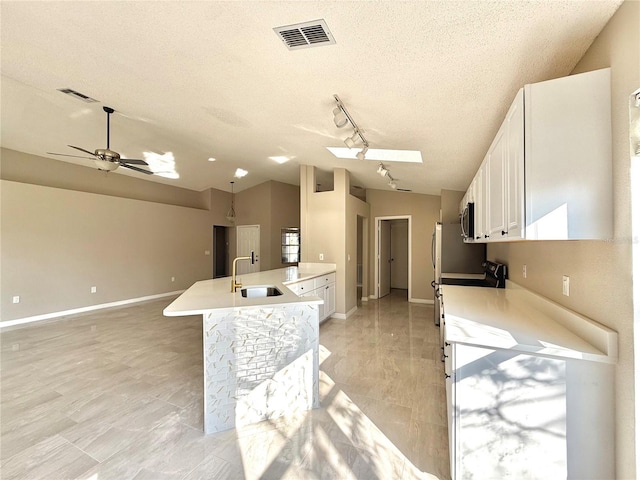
<point x="231" y="214"/>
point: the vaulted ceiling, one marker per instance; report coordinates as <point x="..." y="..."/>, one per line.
<point x="212" y="79"/>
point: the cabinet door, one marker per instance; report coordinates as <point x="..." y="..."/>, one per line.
<point x="449" y="379"/>
<point x="510" y="415"/>
<point x="329" y="299"/>
<point x="495" y="185"/>
<point x="514" y="162"/>
<point x="317" y="293"/>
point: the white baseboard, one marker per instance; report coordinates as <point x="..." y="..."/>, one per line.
<point x="343" y="316"/>
<point x="365" y="299"/>
<point x="47" y="316"/>
<point x="373" y="297"/>
<point x="421" y="300"/>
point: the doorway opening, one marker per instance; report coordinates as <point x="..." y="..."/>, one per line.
<point x="393" y="255"/>
<point x="220" y="251"/>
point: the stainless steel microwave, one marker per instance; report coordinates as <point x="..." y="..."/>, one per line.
<point x="467" y="220"/>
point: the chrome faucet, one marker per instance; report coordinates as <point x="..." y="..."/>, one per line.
<point x="236" y="285"/>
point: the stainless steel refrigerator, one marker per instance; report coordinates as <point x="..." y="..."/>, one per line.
<point x="452" y="257"/>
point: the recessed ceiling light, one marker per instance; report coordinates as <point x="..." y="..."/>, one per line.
<point x="280" y="159"/>
<point x="379" y="154"/>
<point x="240" y="173"/>
<point x="211" y="159"/>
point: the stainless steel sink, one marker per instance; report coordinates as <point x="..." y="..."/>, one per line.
<point x="260" y="291"/>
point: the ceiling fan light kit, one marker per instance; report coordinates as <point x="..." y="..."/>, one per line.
<point x="106" y="159"/>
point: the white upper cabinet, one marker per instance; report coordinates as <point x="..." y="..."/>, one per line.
<point x="548" y="173"/>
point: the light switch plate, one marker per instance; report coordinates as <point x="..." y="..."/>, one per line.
<point x="524" y="271"/>
<point x="565" y="285"/>
<point x="321" y="256"/>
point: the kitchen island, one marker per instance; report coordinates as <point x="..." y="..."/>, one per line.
<point x="529" y="387"/>
<point x="260" y="354"/>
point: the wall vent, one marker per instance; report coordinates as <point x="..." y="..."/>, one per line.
<point x="78" y="95"/>
<point x="305" y="35"/>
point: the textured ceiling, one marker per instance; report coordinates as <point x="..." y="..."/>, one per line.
<point x="212" y="79"/>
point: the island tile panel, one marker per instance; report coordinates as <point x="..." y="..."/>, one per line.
<point x="259" y="363"/>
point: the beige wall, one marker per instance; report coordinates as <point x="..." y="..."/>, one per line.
<point x="450" y="205"/>
<point x="253" y="207"/>
<point x="600" y="272"/>
<point x="57" y="243"/>
<point x="425" y="212"/>
<point x="285" y="212"/>
<point x="128" y="238"/>
<point x="329" y="225"/>
<point x="272" y="205"/>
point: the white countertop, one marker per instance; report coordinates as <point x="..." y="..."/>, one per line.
<point x="517" y="319"/>
<point x="215" y="294"/>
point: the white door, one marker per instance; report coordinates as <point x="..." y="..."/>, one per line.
<point x="248" y="242"/>
<point x="384" y="257"/>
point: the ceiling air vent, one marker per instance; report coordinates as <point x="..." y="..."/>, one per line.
<point x="305" y="35"/>
<point x="78" y="95"/>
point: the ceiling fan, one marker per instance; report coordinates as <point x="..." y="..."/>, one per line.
<point x="105" y="158"/>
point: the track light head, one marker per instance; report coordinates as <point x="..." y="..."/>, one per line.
<point x="339" y="117"/>
<point x="382" y="171"/>
<point x="352" y="140"/>
<point x="393" y="184"/>
<point x="360" y="155"/>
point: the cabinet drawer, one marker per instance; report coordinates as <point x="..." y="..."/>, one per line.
<point x="305" y="287"/>
<point x="324" y="280"/>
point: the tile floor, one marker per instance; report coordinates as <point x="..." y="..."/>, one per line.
<point x="117" y="394"/>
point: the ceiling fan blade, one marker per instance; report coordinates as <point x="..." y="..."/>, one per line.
<point x="136" y="169"/>
<point x="83" y="150"/>
<point x="133" y="161"/>
<point x="65" y="155"/>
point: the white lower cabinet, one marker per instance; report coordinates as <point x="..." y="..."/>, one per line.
<point x="514" y="415"/>
<point x="323" y="286"/>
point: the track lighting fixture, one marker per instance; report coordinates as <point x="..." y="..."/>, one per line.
<point x="341" y="117"/>
<point x="351" y="141"/>
<point x="384" y="172"/>
<point x="360" y="155"/>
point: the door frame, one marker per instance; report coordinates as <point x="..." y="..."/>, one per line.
<point x="376" y="286"/>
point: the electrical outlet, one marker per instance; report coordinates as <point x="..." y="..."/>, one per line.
<point x="565" y="285"/>
<point x="321" y="256"/>
<point x="173" y="279"/>
<point x="524" y="271"/>
<point x="94" y="289"/>
<point x="16" y="299"/>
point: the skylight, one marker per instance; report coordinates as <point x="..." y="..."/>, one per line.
<point x="379" y="154"/>
<point x="162" y="165"/>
